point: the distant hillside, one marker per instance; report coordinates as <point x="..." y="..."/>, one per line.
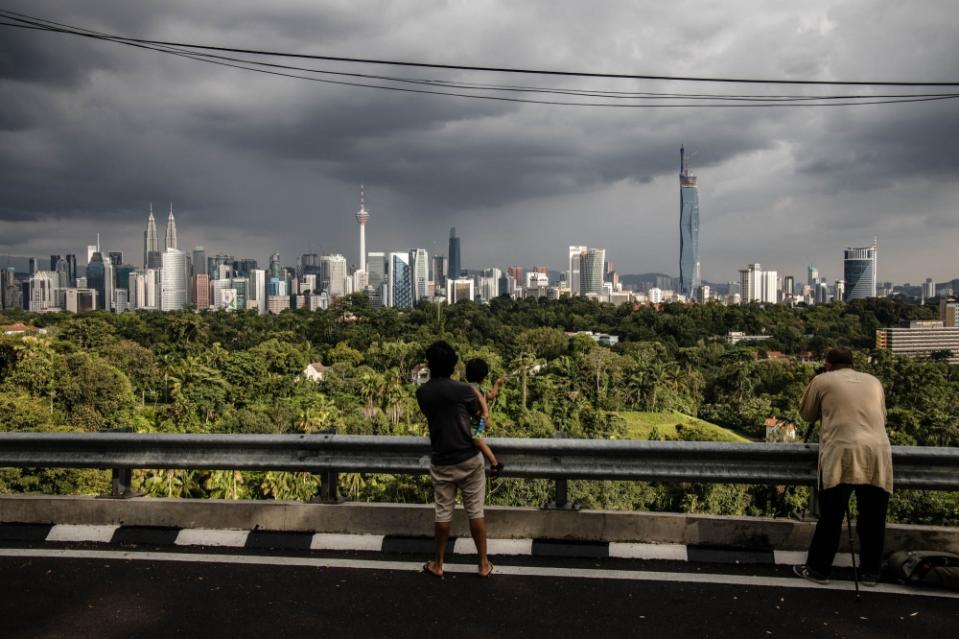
<point x="641" y="425"/>
<point x="646" y="281"/>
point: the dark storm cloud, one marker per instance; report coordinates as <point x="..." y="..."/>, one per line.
<point x="94" y="131"/>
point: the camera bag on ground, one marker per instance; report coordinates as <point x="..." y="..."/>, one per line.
<point x="925" y="568"/>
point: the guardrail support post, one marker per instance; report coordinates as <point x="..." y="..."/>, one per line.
<point x="561" y="500"/>
<point x="562" y="494"/>
<point x="120" y="484"/>
<point x="329" y="481"/>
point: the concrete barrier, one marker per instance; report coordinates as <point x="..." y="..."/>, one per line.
<point x="414" y="520"/>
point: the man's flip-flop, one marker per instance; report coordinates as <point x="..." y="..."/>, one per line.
<point x="488" y="573"/>
<point x="430" y="571"/>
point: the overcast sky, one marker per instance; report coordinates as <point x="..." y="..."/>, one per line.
<point x="92" y="132"/>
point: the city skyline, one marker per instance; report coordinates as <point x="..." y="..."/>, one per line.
<point x="258" y="164"/>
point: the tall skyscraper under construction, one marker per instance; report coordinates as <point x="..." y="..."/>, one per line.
<point x="689" y="276"/>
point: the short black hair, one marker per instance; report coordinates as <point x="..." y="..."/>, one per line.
<point x="441" y="359"/>
<point x="839" y="357"/>
<point x="476" y="370"/>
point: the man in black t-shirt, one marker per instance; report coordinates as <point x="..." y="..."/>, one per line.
<point x="456" y="462"/>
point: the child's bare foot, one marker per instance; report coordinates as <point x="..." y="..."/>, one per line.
<point x="432" y="568"/>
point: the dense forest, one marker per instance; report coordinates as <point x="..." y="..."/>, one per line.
<point x="217" y="372"/>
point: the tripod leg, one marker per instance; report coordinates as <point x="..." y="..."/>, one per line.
<point x="852" y="553"/>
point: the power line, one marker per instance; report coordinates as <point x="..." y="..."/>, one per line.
<point x="516" y="70"/>
<point x="478" y="86"/>
<point x="752" y="100"/>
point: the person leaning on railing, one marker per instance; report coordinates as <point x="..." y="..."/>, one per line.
<point x="854" y="456"/>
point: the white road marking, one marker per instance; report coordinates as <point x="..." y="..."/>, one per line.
<point x="212" y="537"/>
<point x="415" y="566"/>
<point x="330" y="541"/>
<point x="676" y="552"/>
<point x="76" y="532"/>
<point x="466" y="546"/>
<point x="791" y="557"/>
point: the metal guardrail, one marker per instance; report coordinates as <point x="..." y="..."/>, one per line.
<point x="558" y="459"/>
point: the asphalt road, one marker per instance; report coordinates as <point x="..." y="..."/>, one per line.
<point x="108" y="597"/>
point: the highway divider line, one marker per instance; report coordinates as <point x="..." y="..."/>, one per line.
<point x="78" y="533"/>
<point x="145" y="535"/>
<point x="502" y="570"/>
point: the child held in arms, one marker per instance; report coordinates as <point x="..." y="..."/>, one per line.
<point x="476" y="371"/>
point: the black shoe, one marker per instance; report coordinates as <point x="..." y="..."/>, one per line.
<point x="804" y="571"/>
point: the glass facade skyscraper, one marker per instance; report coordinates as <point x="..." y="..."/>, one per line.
<point x="859" y="273"/>
<point x="688" y="229"/>
<point x="400" y="284"/>
<point x="455" y="268"/>
<point x="591" y="272"/>
<point x="96" y="279"/>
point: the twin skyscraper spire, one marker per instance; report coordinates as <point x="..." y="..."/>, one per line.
<point x="151" y="245"/>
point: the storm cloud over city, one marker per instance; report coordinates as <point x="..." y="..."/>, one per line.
<point x="92" y="132"/>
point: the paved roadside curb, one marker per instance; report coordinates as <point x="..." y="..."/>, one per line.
<point x="304" y="541"/>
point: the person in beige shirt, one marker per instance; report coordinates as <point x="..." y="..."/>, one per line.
<point x="854" y="456"/>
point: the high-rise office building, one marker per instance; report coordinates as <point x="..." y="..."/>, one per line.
<point x="789" y="285"/>
<point x="517" y="273"/>
<point x="362" y="216"/>
<point x="757" y="285"/>
<point x="116" y="257"/>
<point x="399" y="284"/>
<point x="440" y="269"/>
<point x="152" y="276"/>
<point x="243" y="266"/>
<point x="812" y="276"/>
<point x="591" y="271"/>
<point x="214" y="263"/>
<point x="859" y="272"/>
<point x="333" y="275"/>
<point x="276" y="269"/>
<point x="458" y="289"/>
<point x="54" y="260"/>
<point x="419" y="274"/>
<point x="95" y="278"/>
<point x="949" y="312"/>
<point x="201" y="291"/>
<point x="109" y="284"/>
<point x="63" y="274"/>
<point x="80" y="300"/>
<point x="689" y="276"/>
<point x="455" y="267"/>
<point x="376" y="284"/>
<point x="43" y="292"/>
<point x="33" y="265"/>
<point x="257" y="290"/>
<point x="173" y="280"/>
<point x="575" y="264"/>
<point x="71" y="268"/>
<point x="199" y="261"/>
<point x="151" y="245"/>
<point x="170" y="230"/>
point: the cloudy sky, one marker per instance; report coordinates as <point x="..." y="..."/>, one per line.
<point x="92" y="132"/>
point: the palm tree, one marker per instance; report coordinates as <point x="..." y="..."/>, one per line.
<point x="523" y="366"/>
<point x="371" y="388"/>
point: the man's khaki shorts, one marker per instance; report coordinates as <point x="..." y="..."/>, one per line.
<point x="470" y="477"/>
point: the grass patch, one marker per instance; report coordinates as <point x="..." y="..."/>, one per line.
<point x="641" y="425"/>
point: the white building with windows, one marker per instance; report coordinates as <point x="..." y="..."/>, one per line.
<point x="173" y="280"/>
<point x="757" y="285"/>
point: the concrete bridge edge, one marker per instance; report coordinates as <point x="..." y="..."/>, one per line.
<point x="416" y="520"/>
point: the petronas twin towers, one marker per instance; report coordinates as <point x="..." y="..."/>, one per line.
<point x="151" y="246"/>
